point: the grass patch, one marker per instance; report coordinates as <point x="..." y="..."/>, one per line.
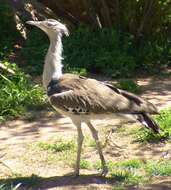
<point x="162" y="168"/>
<point x="84" y="164"/>
<point x="135" y="172"/>
<point x="18" y="93"/>
<point x="164" y="121"/>
<point x="129" y="172"/>
<point x="58" y="146"/>
<point x="90" y="142"/>
<point x="119" y="187"/>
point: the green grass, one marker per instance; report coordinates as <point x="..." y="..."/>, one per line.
<point x="135" y="172"/>
<point x="125" y="173"/>
<point x="164" y="121"/>
<point x="18" y="93"/>
<point x="10" y="187"/>
<point x="89" y="142"/>
<point x="84" y="164"/>
<point x="58" y="146"/>
<point x="119" y="187"/>
<point x="162" y="168"/>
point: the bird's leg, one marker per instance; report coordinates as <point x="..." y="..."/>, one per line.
<point x="79" y="147"/>
<point x="98" y="144"/>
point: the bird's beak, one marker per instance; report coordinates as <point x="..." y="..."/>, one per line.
<point x="34" y="23"/>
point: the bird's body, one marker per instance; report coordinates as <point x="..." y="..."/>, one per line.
<point x="83" y="99"/>
<point x="93" y="97"/>
<point x="87" y="99"/>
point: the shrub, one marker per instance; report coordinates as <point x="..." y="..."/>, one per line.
<point x="99" y="51"/>
<point x="8" y="32"/>
<point x="129" y="85"/>
<point x="34" y="51"/>
<point x="103" y="51"/>
<point x="17" y="93"/>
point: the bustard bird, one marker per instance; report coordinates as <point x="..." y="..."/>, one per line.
<point x="84" y="99"/>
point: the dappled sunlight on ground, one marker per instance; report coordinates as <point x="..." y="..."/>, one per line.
<point x="157" y="91"/>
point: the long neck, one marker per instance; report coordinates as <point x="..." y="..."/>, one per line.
<point x="53" y="65"/>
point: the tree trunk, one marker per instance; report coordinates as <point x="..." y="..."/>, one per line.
<point x="117" y="10"/>
<point x="93" y="15"/>
<point x="147" y="9"/>
<point x="106" y="14"/>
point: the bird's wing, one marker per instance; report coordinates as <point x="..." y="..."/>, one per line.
<point x="91" y="96"/>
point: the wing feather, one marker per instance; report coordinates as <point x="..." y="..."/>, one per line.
<point x="97" y="97"/>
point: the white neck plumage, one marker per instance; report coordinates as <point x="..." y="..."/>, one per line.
<point x="53" y="61"/>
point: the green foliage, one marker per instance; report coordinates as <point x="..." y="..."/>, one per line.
<point x="84" y="164"/>
<point x="134" y="172"/>
<point x="127" y="171"/>
<point x="129" y="85"/>
<point x="115" y="54"/>
<point x="77" y="71"/>
<point x="119" y="187"/>
<point x="164" y="121"/>
<point x="102" y="51"/>
<point x="17" y="93"/>
<point x="134" y="164"/>
<point x="34" y="51"/>
<point x="154" y="53"/>
<point x="9" y="187"/>
<point x="99" y="51"/>
<point x="8" y="32"/>
<point x="58" y="146"/>
<point x="162" y="168"/>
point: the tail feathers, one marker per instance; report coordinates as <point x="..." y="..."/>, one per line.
<point x="148" y="122"/>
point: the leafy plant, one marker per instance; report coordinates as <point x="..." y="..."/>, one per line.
<point x="8" y="32"/>
<point x="98" y="51"/>
<point x="129" y="85"/>
<point x="84" y="164"/>
<point x="103" y="51"/>
<point x="18" y="93"/>
<point x="34" y="51"/>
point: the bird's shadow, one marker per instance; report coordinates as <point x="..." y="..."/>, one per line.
<point x="36" y="182"/>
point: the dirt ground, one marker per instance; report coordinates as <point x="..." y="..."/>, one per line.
<point x="16" y="135"/>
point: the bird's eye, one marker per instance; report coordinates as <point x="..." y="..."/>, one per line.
<point x="51" y="24"/>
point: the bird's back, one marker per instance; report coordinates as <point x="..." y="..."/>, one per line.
<point x="92" y="96"/>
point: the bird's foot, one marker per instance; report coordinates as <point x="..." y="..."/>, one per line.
<point x="104" y="171"/>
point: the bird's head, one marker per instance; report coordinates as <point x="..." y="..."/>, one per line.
<point x="51" y="27"/>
